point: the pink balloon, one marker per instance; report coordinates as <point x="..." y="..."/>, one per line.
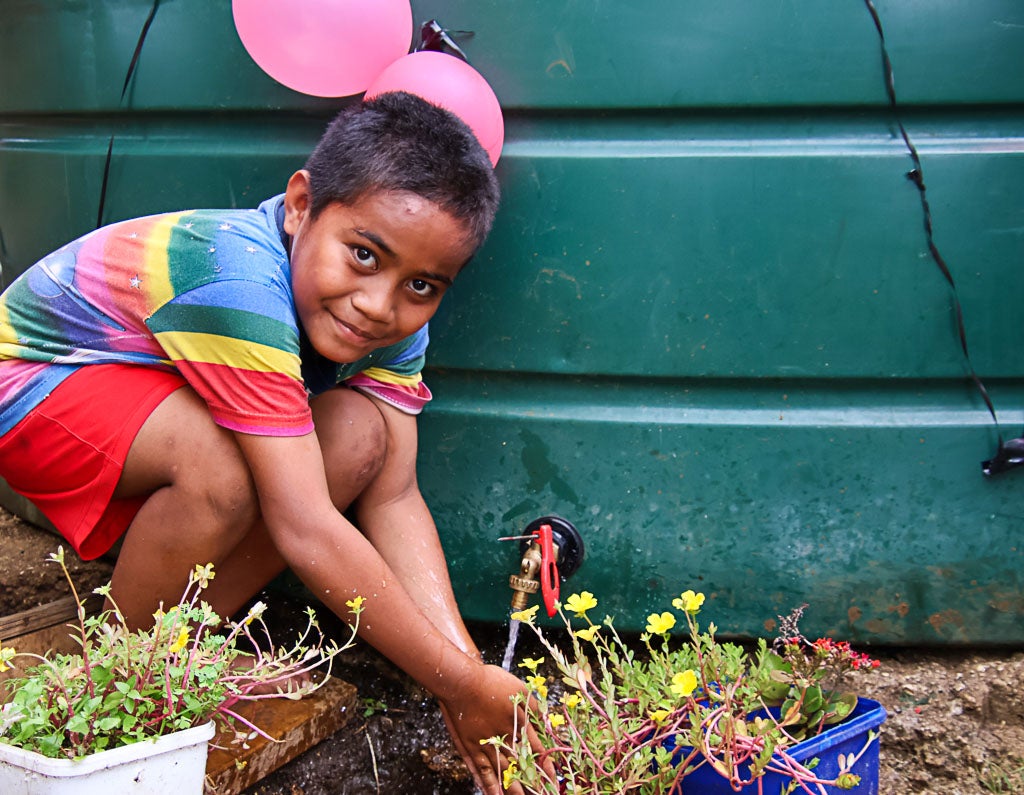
<point x="327" y="48"/>
<point x="454" y="85"/>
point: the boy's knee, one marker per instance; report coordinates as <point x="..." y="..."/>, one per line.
<point x="368" y="456"/>
<point x="223" y="485"/>
<point x="354" y="440"/>
<point x="364" y="442"/>
<point x="233" y="499"/>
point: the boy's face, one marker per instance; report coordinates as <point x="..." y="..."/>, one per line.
<point x="371" y="273"/>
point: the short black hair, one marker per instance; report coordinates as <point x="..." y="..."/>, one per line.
<point x="400" y="142"/>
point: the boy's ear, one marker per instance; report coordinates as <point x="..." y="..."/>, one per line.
<point x="297" y="201"/>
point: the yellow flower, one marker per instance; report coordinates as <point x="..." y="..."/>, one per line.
<point x="6" y="655"/>
<point x="180" y="643"/>
<point x="356" y="605"/>
<point x="688" y="602"/>
<point x="588" y="633"/>
<point x="556" y="720"/>
<point x="571" y="700"/>
<point x="660" y="625"/>
<point x="531" y="663"/>
<point x="539" y="685"/>
<point x="659" y="715"/>
<point x="526" y="615"/>
<point x="509" y="775"/>
<point x="580" y="603"/>
<point x="683" y="684"/>
<point x="203" y="575"/>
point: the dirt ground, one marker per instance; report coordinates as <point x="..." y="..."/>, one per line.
<point x="955" y="726"/>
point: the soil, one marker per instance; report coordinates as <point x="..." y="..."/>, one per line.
<point x="955" y="725"/>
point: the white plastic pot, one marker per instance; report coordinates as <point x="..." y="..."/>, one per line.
<point x="172" y="763"/>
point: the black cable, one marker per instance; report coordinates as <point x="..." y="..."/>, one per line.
<point x="1009" y="454"/>
<point x="124" y="91"/>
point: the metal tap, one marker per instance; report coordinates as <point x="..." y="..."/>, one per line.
<point x="552" y="549"/>
<point x="527" y="581"/>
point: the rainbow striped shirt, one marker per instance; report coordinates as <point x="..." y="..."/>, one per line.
<point x="206" y="293"/>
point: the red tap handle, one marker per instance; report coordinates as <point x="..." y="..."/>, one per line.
<point x="549" y="580"/>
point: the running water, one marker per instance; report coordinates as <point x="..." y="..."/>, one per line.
<point x="510" y="650"/>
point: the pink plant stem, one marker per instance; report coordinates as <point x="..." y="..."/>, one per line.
<point x="586" y="748"/>
<point x="192" y="653"/>
<point x="235" y="716"/>
<point x="80" y="612"/>
<point x="804" y="776"/>
<point x="230" y="639"/>
<point x="157" y="719"/>
<point x="593" y="702"/>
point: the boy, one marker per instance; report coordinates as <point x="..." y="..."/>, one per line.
<point x="221" y="385"/>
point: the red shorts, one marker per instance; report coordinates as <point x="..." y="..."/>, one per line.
<point x="67" y="454"/>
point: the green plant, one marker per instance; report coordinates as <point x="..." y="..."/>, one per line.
<point x="374" y="706"/>
<point x="127" y="686"/>
<point x="638" y="721"/>
<point x="1005" y="776"/>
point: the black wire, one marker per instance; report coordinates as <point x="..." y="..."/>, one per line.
<point x="103" y="186"/>
<point x="124" y="91"/>
<point x="1003" y="459"/>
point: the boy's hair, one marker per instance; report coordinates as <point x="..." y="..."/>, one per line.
<point x="401" y="142"/>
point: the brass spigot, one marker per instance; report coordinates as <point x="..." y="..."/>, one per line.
<point x="552" y="549"/>
<point x="526" y="582"/>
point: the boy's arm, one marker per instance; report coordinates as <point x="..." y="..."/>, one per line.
<point x="392" y="514"/>
<point x="338" y="563"/>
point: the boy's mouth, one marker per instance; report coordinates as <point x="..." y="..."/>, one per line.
<point x="355" y="331"/>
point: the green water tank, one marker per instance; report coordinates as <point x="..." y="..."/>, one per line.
<point x="706" y="329"/>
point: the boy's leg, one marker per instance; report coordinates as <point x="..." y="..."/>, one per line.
<point x="201" y="504"/>
<point x="203" y="508"/>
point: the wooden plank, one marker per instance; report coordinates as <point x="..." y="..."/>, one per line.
<point x="49" y="640"/>
<point x="55" y="613"/>
<point x="296" y="726"/>
<point x="44" y="629"/>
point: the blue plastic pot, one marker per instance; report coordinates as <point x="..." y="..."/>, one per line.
<point x="845" y="738"/>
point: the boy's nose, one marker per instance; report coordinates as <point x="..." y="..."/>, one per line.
<point x="374" y="301"/>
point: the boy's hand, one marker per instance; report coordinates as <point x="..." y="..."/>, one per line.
<point x="484" y="709"/>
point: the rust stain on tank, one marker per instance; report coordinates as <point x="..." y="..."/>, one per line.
<point x="1006" y="601"/>
<point x="900" y="609"/>
<point x="944" y="618"/>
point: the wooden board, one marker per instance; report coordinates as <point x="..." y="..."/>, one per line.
<point x="296" y="726"/>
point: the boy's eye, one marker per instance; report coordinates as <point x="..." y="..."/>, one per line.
<point x="364" y="257"/>
<point x="422" y="288"/>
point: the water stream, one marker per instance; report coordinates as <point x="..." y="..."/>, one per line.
<point x="510" y="650"/>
